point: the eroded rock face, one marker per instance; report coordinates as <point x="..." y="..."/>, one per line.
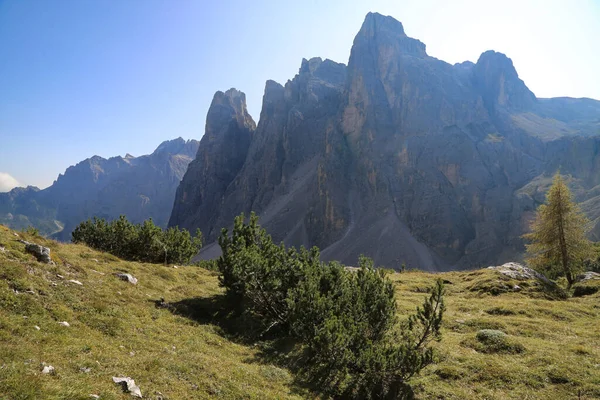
<point x="398" y="156"/>
<point x="223" y="151"/>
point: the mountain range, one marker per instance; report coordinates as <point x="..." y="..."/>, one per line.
<point x="138" y="187"/>
<point x="397" y="155"/>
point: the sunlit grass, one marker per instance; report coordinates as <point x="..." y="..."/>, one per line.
<point x="117" y="329"/>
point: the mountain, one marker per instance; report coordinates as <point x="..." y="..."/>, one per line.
<point x="398" y="156"/>
<point x="138" y="187"/>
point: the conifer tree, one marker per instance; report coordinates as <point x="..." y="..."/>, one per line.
<point x="558" y="234"/>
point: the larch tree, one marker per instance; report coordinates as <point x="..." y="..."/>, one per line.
<point x="558" y="234"/>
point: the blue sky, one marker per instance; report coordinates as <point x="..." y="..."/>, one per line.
<point x="109" y="77"/>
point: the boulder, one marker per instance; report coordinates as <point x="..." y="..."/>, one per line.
<point x="589" y="275"/>
<point x="517" y="271"/>
<point x="40" y="252"/>
<point x="128" y="277"/>
<point x="128" y="386"/>
<point x="48" y="369"/>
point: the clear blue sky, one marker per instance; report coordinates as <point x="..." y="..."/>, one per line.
<point x="109" y="77"/>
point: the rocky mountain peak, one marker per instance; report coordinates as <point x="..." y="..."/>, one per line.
<point x="380" y="31"/>
<point x="175" y="146"/>
<point x="376" y="23"/>
<point x="326" y="70"/>
<point x="499" y="84"/>
<point x="225" y="107"/>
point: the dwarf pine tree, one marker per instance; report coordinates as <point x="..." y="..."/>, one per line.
<point x="558" y="234"/>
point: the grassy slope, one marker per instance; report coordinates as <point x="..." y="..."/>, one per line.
<point x="185" y="359"/>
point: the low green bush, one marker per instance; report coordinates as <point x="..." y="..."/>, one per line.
<point x="353" y="344"/>
<point x="144" y="242"/>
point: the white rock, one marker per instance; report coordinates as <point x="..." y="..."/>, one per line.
<point x="128" y="385"/>
<point x="75" y="282"/>
<point x="64" y="323"/>
<point x="48" y="369"/>
<point x="94" y="396"/>
<point x="587" y="276"/>
<point x="60" y="276"/>
<point x="128" y="277"/>
<point x="520" y="272"/>
<point x="37" y="328"/>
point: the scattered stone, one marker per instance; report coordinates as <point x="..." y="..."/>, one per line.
<point x="95" y="259"/>
<point x="2" y="249"/>
<point x="64" y="323"/>
<point x="29" y="291"/>
<point x="98" y="272"/>
<point x="37" y="328"/>
<point x="128" y="385"/>
<point x="54" y="284"/>
<point x="94" y="396"/>
<point x="60" y="276"/>
<point x="15" y="234"/>
<point x="75" y="282"/>
<point x="48" y="369"/>
<point x="85" y="370"/>
<point x="40" y="252"/>
<point x="175" y="266"/>
<point x="587" y="276"/>
<point x="519" y="272"/>
<point x="517" y="288"/>
<point x="128" y="277"/>
<point x="132" y="353"/>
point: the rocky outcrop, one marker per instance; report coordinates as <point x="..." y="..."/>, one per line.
<point x="138" y="187"/>
<point x="399" y="156"/>
<point x="41" y="253"/>
<point x="519" y="272"/>
<point x="223" y="151"/>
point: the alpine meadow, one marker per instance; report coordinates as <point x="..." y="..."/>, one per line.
<point x="389" y="225"/>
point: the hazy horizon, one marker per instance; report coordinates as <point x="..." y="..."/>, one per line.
<point x="110" y="78"/>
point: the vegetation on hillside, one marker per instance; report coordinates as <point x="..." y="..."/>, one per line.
<point x="558" y="245"/>
<point x="144" y="242"/>
<point x="172" y="333"/>
<point x="345" y="321"/>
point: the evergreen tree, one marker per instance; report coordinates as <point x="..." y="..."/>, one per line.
<point x="558" y="234"/>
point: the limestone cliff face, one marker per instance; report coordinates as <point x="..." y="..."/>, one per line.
<point x="406" y="158"/>
<point x="138" y="187"/>
<point x="223" y="150"/>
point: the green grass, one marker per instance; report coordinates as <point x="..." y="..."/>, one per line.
<point x="175" y="347"/>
